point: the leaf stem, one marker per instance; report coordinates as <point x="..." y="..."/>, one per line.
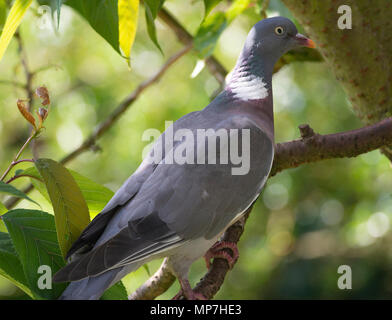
<point x="16" y="160"/>
<point x="21" y="176"/>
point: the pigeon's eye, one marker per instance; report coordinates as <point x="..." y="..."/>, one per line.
<point x="279" y="30"/>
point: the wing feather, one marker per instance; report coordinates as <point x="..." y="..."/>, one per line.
<point x="171" y="205"/>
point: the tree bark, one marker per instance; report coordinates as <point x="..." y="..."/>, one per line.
<point x="361" y="57"/>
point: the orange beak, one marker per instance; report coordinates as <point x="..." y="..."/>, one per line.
<point x="304" y="42"/>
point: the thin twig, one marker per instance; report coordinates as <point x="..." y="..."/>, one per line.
<point x="15" y="160"/>
<point x="104" y="126"/>
<point x="44" y="68"/>
<point x="124" y="106"/>
<point x="13" y="83"/>
<point x="183" y="36"/>
<point x="215" y="67"/>
<point x="21" y="176"/>
<point x="28" y="74"/>
<point x="23" y="160"/>
<point x="29" y="84"/>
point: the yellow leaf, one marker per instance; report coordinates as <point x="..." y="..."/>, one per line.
<point x="14" y="18"/>
<point x="236" y="8"/>
<point x="127" y="23"/>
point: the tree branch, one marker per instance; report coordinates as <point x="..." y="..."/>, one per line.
<point x="214" y="66"/>
<point x="105" y="125"/>
<point x="364" y="73"/>
<point x="312" y="147"/>
<point x="183" y="36"/>
<point x="156" y="285"/>
<point x="212" y="281"/>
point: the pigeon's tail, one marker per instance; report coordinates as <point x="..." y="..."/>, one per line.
<point x="92" y="288"/>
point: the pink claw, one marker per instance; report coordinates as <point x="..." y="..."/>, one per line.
<point x="216" y="251"/>
<point x="187" y="292"/>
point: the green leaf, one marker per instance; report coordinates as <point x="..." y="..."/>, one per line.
<point x="102" y="16"/>
<point x="145" y="266"/>
<point x="213" y="26"/>
<point x="58" y="10"/>
<point x="236" y="9"/>
<point x="128" y="12"/>
<point x="70" y="208"/>
<point x="116" y="292"/>
<point x="33" y="235"/>
<point x="3" y="209"/>
<point x="10" y="265"/>
<point x="209" y="32"/>
<point x="55" y="6"/>
<point x="18" y="172"/>
<point x="7" y="188"/>
<point x="96" y="195"/>
<point x="3" y="13"/>
<point x="14" y="18"/>
<point x="37" y="181"/>
<point x="115" y="21"/>
<point x="152" y="8"/>
<point x="209" y="5"/>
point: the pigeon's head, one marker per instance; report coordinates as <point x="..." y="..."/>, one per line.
<point x="271" y="38"/>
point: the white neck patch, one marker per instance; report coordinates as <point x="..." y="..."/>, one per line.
<point x="250" y="87"/>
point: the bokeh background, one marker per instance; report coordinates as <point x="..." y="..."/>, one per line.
<point x="308" y="221"/>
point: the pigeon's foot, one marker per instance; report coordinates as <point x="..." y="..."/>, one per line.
<point x="187" y="292"/>
<point x="217" y="251"/>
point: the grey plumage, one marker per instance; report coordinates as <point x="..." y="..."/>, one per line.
<point x="180" y="210"/>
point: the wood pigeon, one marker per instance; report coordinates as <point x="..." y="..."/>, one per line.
<point x="180" y="210"/>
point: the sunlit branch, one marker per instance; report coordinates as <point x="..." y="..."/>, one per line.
<point x="213" y="65"/>
<point x="159" y="282"/>
<point x="105" y="125"/>
<point x="101" y="128"/>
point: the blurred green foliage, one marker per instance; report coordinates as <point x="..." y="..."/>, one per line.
<point x="308" y="221"/>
